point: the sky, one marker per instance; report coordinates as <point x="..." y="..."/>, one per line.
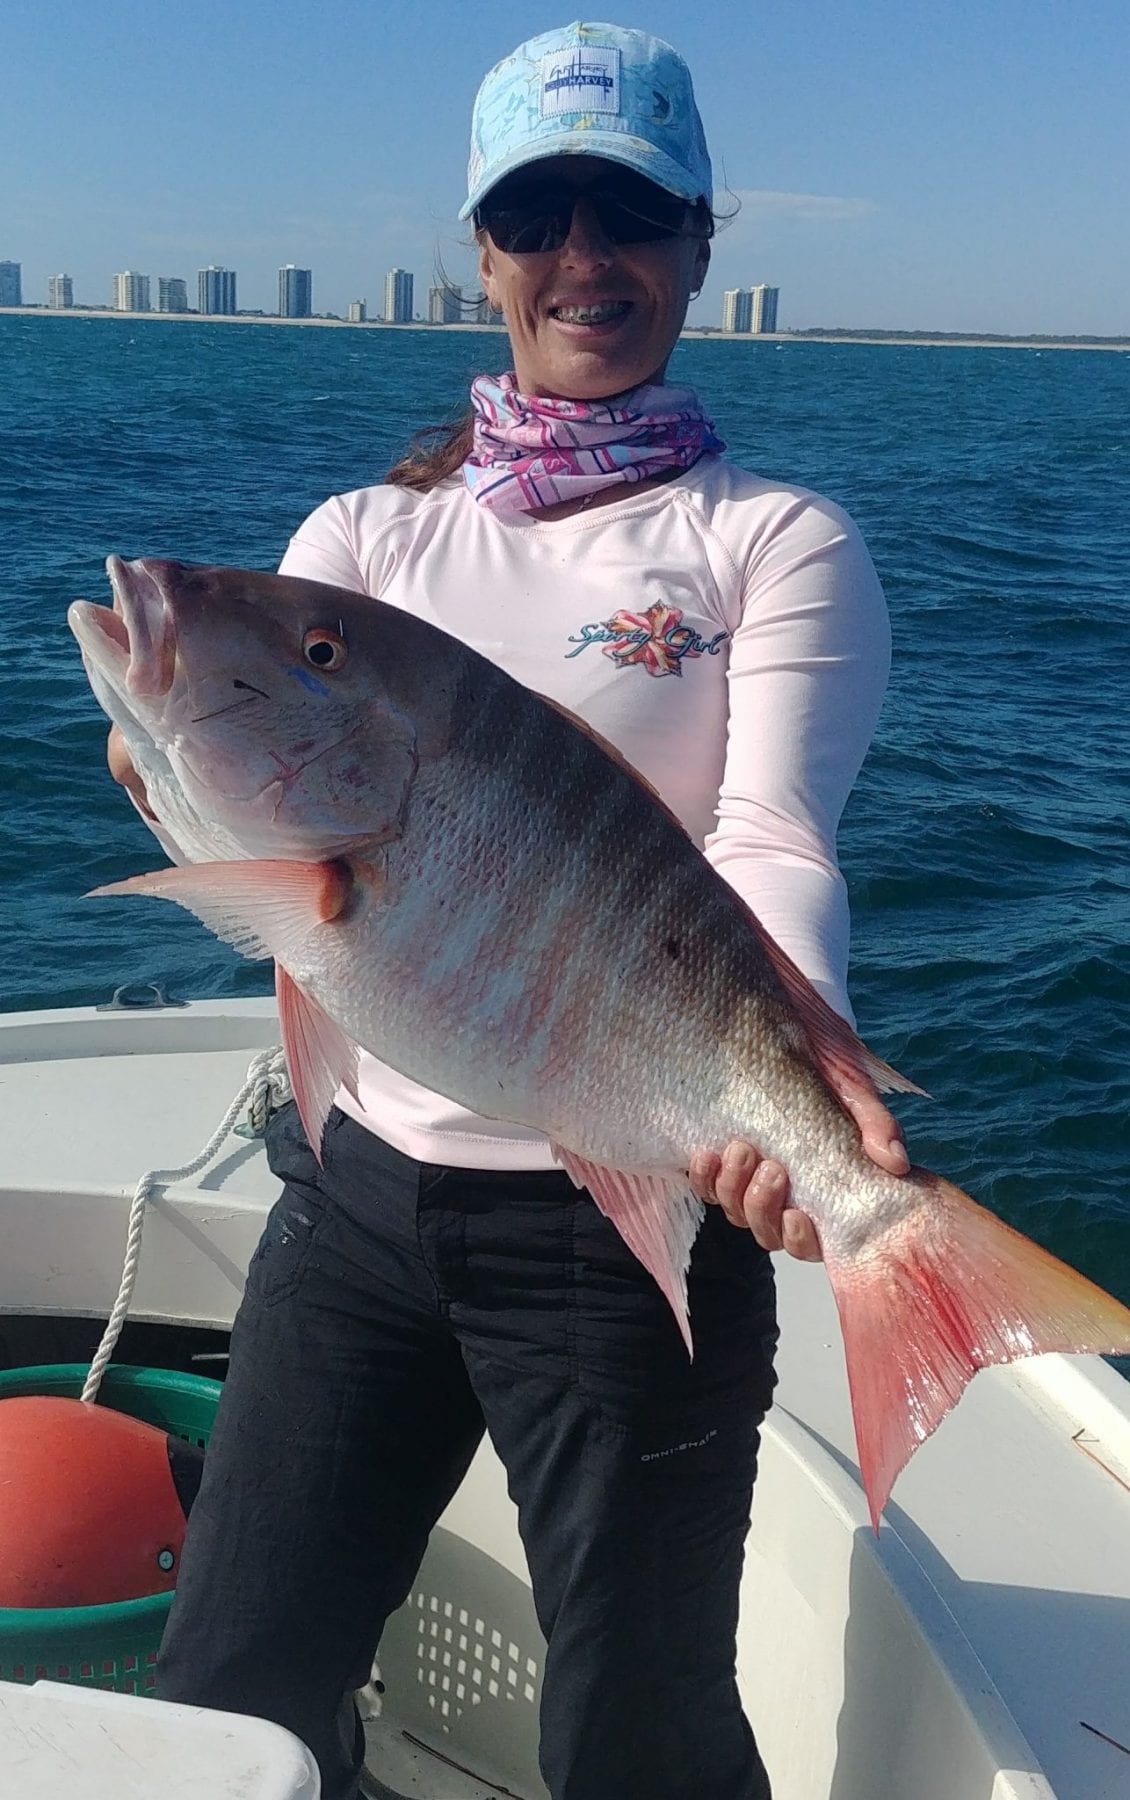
<point x="960" y="166"/>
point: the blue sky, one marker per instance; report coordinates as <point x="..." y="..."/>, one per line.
<point x="959" y="166"/>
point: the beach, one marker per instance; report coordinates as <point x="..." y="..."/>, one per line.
<point x="905" y="340"/>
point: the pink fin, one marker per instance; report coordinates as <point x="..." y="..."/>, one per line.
<point x="656" y="1215"/>
<point x="319" y="1056"/>
<point x="261" y="908"/>
<point x="842" y="1058"/>
<point x="947" y="1292"/>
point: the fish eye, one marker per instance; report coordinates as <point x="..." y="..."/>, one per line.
<point x="324" y="649"/>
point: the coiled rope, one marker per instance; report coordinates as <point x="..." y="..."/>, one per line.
<point x="266" y="1088"/>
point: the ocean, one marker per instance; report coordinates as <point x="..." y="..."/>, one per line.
<point x="987" y="845"/>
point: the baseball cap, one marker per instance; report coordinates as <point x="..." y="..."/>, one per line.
<point x="590" y="90"/>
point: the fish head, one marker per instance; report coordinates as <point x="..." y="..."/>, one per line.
<point x="269" y="699"/>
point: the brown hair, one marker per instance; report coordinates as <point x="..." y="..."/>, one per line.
<point x="437" y="451"/>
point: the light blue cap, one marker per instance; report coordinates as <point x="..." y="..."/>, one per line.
<point x="590" y="90"/>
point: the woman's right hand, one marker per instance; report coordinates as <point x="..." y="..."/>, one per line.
<point x="123" y="771"/>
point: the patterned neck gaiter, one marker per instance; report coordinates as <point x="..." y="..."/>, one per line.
<point x="530" y="451"/>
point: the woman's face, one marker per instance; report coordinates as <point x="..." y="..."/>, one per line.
<point x="640" y="292"/>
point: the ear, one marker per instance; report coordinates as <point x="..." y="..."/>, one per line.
<point x="701" y="264"/>
<point x="486" y="268"/>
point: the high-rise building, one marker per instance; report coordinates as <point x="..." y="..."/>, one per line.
<point x="11" y="284"/>
<point x="750" y="309"/>
<point x="172" y="294"/>
<point x="358" y="312"/>
<point x="486" y="314"/>
<point x="215" y="290"/>
<point x="60" y="292"/>
<point x="131" y="292"/>
<point x="764" y="308"/>
<point x="737" y="309"/>
<point x="445" y="305"/>
<point x="295" y="292"/>
<point x="398" y="297"/>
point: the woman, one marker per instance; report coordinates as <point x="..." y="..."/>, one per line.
<point x="729" y="636"/>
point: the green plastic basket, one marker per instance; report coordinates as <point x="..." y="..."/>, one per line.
<point x="111" y="1646"/>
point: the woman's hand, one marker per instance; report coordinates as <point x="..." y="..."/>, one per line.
<point x="753" y="1190"/>
<point x="123" y="771"/>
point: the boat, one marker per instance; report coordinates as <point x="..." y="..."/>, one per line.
<point x="975" y="1649"/>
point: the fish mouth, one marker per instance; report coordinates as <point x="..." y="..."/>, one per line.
<point x="132" y="642"/>
<point x="141" y="605"/>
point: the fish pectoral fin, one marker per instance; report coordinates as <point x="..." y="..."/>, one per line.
<point x="270" y="908"/>
<point x="320" y="1058"/>
<point x="262" y="908"/>
<point x="950" y="1290"/>
<point x="657" y="1216"/>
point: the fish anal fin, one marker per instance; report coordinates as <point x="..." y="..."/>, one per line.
<point x="320" y="1058"/>
<point x="657" y="1216"/>
<point x="950" y="1290"/>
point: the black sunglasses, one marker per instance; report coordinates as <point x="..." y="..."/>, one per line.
<point x="525" y="218"/>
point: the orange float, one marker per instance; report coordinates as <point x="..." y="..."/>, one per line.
<point x="93" y="1503"/>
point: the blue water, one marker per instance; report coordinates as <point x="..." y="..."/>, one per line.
<point x="987" y="845"/>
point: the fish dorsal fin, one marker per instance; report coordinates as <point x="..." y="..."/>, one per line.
<point x="319" y="1056"/>
<point x="656" y="1215"/>
<point x="840" y="1055"/>
<point x="618" y="757"/>
<point x="842" y="1058"/>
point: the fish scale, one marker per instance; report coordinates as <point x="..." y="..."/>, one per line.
<point x="456" y="876"/>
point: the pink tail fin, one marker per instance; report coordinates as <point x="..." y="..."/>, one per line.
<point x="947" y="1292"/>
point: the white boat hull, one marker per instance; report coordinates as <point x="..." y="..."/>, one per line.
<point x="977" y="1650"/>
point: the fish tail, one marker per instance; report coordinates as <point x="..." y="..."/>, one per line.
<point x="949" y="1290"/>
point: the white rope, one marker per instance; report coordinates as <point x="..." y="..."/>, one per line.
<point x="267" y="1086"/>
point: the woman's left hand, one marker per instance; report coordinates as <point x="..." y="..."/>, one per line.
<point x="753" y="1190"/>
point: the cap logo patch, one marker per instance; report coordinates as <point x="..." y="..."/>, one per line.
<point x="580" y="81"/>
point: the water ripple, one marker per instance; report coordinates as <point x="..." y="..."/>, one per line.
<point x="987" y="845"/>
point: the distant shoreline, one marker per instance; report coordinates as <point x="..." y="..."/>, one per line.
<point x="951" y="340"/>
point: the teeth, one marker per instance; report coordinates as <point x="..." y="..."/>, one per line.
<point x="591" y="315"/>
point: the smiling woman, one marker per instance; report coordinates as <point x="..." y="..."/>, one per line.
<point x="593" y="269"/>
<point x="726" y="634"/>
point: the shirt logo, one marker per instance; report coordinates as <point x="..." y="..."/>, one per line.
<point x="586" y="81"/>
<point x="655" y="640"/>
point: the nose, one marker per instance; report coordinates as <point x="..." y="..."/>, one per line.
<point x="587" y="245"/>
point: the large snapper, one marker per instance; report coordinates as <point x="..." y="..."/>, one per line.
<point x="455" y="875"/>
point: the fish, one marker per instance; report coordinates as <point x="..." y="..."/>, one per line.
<point x="457" y="875"/>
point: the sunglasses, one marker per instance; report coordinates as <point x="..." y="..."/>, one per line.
<point x="529" y="218"/>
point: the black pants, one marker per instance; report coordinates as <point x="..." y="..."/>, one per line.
<point x="391" y="1308"/>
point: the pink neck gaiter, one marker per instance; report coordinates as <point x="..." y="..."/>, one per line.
<point x="530" y="451"/>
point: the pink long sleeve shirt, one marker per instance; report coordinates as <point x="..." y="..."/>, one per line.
<point x="727" y="634"/>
